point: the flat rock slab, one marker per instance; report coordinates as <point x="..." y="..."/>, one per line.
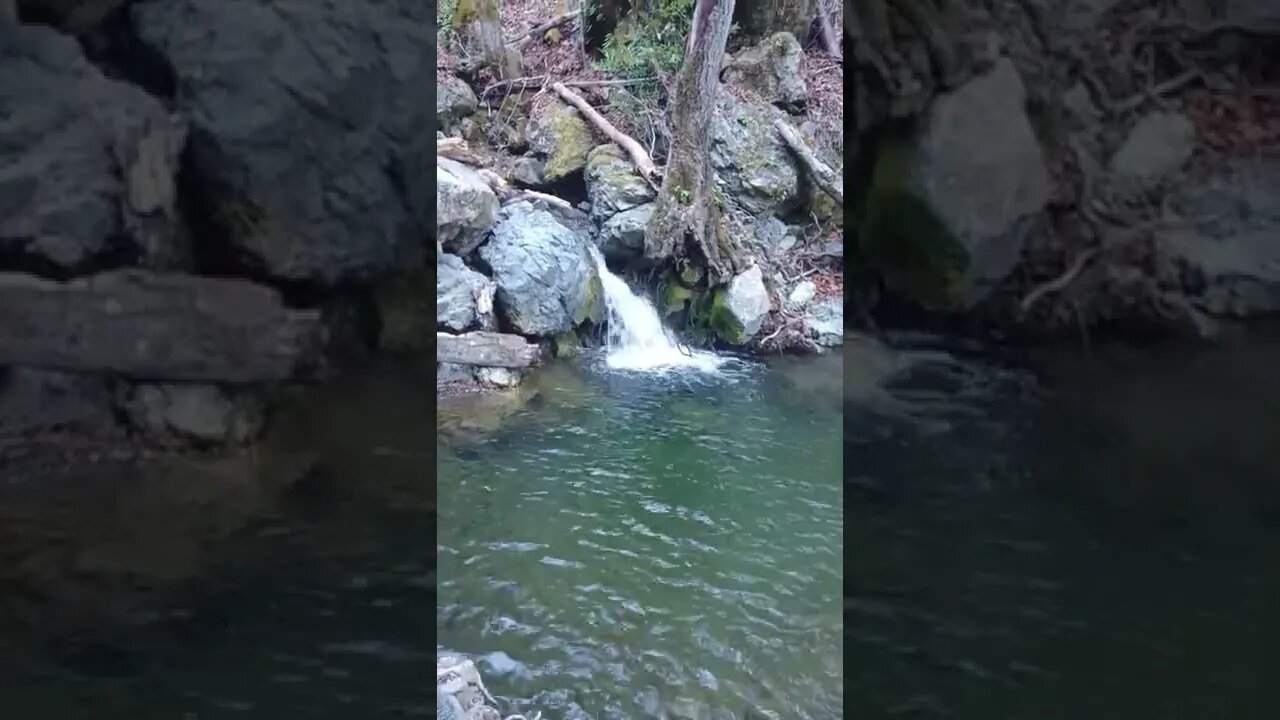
<point x="487" y="349"/>
<point x="153" y="326"/>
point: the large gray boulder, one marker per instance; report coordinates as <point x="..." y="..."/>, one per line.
<point x="746" y="303"/>
<point x="1228" y="245"/>
<point x="613" y="185"/>
<point x="979" y="167"/>
<point x="547" y="281"/>
<point x="622" y="235"/>
<point x="454" y="100"/>
<point x="87" y="164"/>
<point x="558" y="136"/>
<point x="770" y="69"/>
<point x="311" y="141"/>
<point x="464" y="297"/>
<point x="466" y="207"/>
<point x="752" y="167"/>
<point x="152" y="326"/>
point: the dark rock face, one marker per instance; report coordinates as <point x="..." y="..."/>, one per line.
<point x="46" y="403"/>
<point x="87" y="164"/>
<point x="155" y="327"/>
<point x="311" y="129"/>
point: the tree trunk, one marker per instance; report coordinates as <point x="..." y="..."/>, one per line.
<point x="758" y="18"/>
<point x="478" y="24"/>
<point x="8" y="12"/>
<point x="686" y="225"/>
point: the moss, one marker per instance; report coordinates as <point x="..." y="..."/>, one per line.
<point x="674" y="298"/>
<point x="573" y="143"/>
<point x="721" y="321"/>
<point x="592" y="307"/>
<point x="902" y="237"/>
<point x="553" y="36"/>
<point x="690" y="275"/>
<point x="567" y="344"/>
<point x="464" y="12"/>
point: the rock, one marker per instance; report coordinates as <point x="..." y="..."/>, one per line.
<point x="530" y="171"/>
<point x="746" y="303"/>
<point x="454" y="373"/>
<point x="1228" y="245"/>
<point x="314" y="158"/>
<point x="547" y="281"/>
<point x="155" y="327"/>
<point x="464" y="297"/>
<point x="613" y="185"/>
<point x="87" y="164"/>
<point x="752" y="167"/>
<point x="454" y="100"/>
<point x="801" y="294"/>
<point x="487" y="349"/>
<point x="203" y="414"/>
<point x="980" y="190"/>
<point x="38" y="404"/>
<point x="770" y="69"/>
<point x="497" y="377"/>
<point x="825" y="322"/>
<point x="622" y="235"/>
<point x="466" y="206"/>
<point x="558" y="134"/>
<point x="772" y="235"/>
<point x="1157" y="145"/>
<point x="793" y="16"/>
<point x="73" y="16"/>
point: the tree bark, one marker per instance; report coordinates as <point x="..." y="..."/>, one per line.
<point x="686" y="225"/>
<point x="479" y="26"/>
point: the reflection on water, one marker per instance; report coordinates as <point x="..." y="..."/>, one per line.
<point x="1101" y="544"/>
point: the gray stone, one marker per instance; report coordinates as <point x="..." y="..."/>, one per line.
<point x="979" y="166"/>
<point x="466" y="206"/>
<point x="801" y="294"/>
<point x="771" y="69"/>
<point x="87" y="164"/>
<point x="454" y="100"/>
<point x="203" y="414"/>
<point x="1228" y="246"/>
<point x="613" y="185"/>
<point x="547" y="281"/>
<point x="464" y="297"/>
<point x="772" y="235"/>
<point x="752" y="167"/>
<point x="1156" y="146"/>
<point x="622" y="235"/>
<point x="311" y="129"/>
<point x="155" y="327"/>
<point x="454" y="373"/>
<point x="37" y="404"/>
<point x="530" y="171"/>
<point x="487" y="349"/>
<point x="825" y="322"/>
<point x="747" y="301"/>
<point x="557" y="134"/>
<point x="497" y="377"/>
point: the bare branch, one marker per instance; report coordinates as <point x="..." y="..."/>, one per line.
<point x="638" y="155"/>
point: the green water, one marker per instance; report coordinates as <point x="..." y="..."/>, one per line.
<point x="641" y="546"/>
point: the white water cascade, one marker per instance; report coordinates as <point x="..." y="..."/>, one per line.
<point x="637" y="340"/>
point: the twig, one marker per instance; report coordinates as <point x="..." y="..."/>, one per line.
<point x="519" y="42"/>
<point x="1059" y="283"/>
<point x="826" y="178"/>
<point x="532" y="81"/>
<point x="638" y="155"/>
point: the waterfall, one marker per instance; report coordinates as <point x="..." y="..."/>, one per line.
<point x="637" y="339"/>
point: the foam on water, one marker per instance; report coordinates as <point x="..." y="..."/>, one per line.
<point x="637" y="339"/>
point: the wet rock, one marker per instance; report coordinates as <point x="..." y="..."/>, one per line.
<point x="557" y="134"/>
<point x="613" y="185"/>
<point x="464" y="297"/>
<point x="487" y="349"/>
<point x="497" y="377"/>
<point x="1226" y="246"/>
<point x="825" y="322"/>
<point x="529" y="171"/>
<point x="202" y="414"/>
<point x="801" y="294"/>
<point x="980" y="190"/>
<point x="770" y="69"/>
<point x="38" y="403"/>
<point x="752" y="167"/>
<point x="547" y="281"/>
<point x="314" y="159"/>
<point x="622" y="235"/>
<point x="87" y="164"/>
<point x="1158" y="145"/>
<point x="454" y="100"/>
<point x="466" y="206"/>
<point x="454" y="373"/>
<point x="746" y="301"/>
<point x="772" y="235"/>
<point x="155" y="327"/>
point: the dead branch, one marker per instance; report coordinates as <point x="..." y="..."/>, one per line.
<point x="826" y="178"/>
<point x="457" y="149"/>
<point x="542" y="27"/>
<point x="508" y="194"/>
<point x="1059" y="283"/>
<point x="638" y="155"/>
<point x="538" y="81"/>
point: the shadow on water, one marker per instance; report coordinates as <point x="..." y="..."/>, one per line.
<point x="1100" y="543"/>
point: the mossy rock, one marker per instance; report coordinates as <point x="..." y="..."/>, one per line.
<point x="567" y="344"/>
<point x="902" y="237"/>
<point x="592" y="307"/>
<point x="690" y="275"/>
<point x="674" y="298"/>
<point x="558" y="133"/>
<point x="710" y="316"/>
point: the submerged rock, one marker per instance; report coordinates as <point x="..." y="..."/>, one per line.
<point x="313" y="158"/>
<point x="87" y="164"/>
<point x="466" y="207"/>
<point x="203" y="414"/>
<point x="547" y="281"/>
<point x="770" y="69"/>
<point x="752" y="167"/>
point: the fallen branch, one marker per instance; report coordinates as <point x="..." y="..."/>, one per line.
<point x="508" y="194"/>
<point x="457" y="149"/>
<point x="540" y="28"/>
<point x="1059" y="283"/>
<point x="826" y="178"/>
<point x="539" y="81"/>
<point x="638" y="155"/>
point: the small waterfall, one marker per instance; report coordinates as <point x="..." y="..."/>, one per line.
<point x="637" y="339"/>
